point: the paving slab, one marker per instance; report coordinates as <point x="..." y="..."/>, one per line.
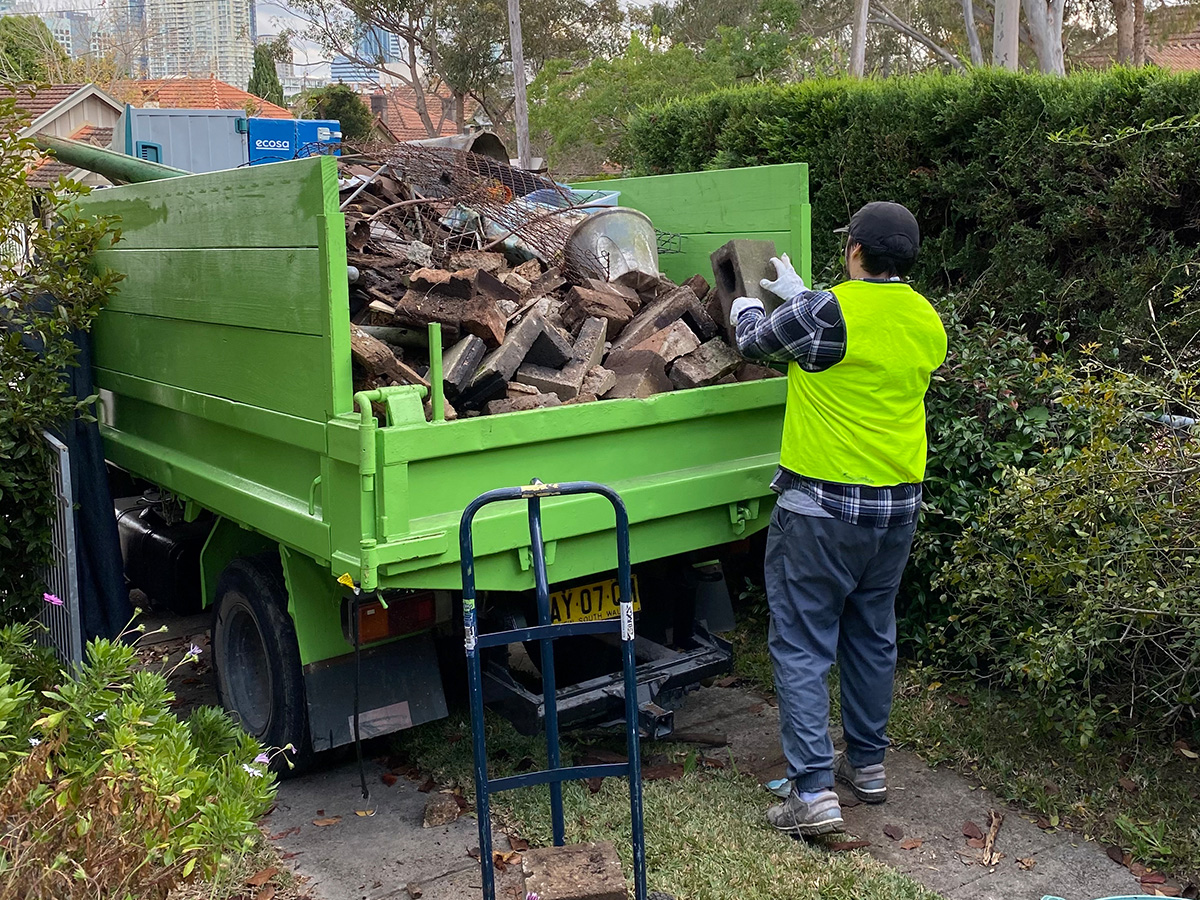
<point x="927" y="804"/>
<point x="377" y="857"/>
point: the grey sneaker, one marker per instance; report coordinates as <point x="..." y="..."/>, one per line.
<point x="822" y="815"/>
<point x="869" y="783"/>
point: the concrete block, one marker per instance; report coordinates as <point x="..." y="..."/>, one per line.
<point x="704" y="366"/>
<point x="598" y="381"/>
<point x="575" y="872"/>
<point x="655" y="317"/>
<point x="489" y="262"/>
<point x="638" y="374"/>
<point x="460" y="362"/>
<point x="670" y="343"/>
<point x="499" y="366"/>
<point x="738" y="267"/>
<point x="749" y="371"/>
<point x="582" y="303"/>
<point x="550" y="348"/>
<point x="521" y="404"/>
<point x="589" y="344"/>
<point x="563" y="383"/>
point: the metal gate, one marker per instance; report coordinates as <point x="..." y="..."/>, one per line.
<point x="63" y="627"/>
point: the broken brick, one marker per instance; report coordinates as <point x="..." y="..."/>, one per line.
<point x="655" y="317"/>
<point x="563" y="383"/>
<point x="460" y="362"/>
<point x="499" y="366"/>
<point x="749" y="371"/>
<point x="550" y="280"/>
<point x="628" y="294"/>
<point x="521" y="404"/>
<point x="489" y="262"/>
<point x="638" y="374"/>
<point x="582" y="303"/>
<point x="704" y="366"/>
<point x="426" y="280"/>
<point x="699" y="285"/>
<point x="518" y="283"/>
<point x="598" y="381"/>
<point x="575" y="872"/>
<point x="670" y="343"/>
<point x="589" y="344"/>
<point x="530" y="270"/>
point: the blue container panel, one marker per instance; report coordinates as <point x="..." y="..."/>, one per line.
<point x="276" y="140"/>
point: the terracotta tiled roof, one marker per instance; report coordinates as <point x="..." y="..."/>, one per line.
<point x="36" y="101"/>
<point x="402" y="119"/>
<point x="1173" y="42"/>
<point x="196" y="93"/>
<point x="47" y="170"/>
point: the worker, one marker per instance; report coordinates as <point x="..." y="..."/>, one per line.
<point x="859" y="360"/>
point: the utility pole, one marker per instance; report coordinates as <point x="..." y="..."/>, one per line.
<point x="520" y="103"/>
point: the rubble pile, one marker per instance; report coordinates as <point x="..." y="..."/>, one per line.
<point x="518" y="333"/>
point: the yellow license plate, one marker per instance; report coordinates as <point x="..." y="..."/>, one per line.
<point x="590" y="602"/>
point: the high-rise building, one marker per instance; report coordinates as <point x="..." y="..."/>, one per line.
<point x="374" y="46"/>
<point x="74" y="30"/>
<point x="200" y="37"/>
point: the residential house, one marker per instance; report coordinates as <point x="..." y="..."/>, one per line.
<point x="396" y="109"/>
<point x="81" y="112"/>
<point x="1173" y="42"/>
<point x="196" y="93"/>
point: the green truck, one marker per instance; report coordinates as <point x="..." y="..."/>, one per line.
<point x="225" y="377"/>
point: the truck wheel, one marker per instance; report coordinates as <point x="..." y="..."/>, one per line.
<point x="256" y="659"/>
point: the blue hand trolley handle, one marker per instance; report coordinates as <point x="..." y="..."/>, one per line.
<point x="545" y="633"/>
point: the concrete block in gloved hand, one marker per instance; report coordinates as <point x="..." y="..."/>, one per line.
<point x="787" y="284"/>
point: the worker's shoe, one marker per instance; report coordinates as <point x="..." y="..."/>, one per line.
<point x="869" y="783"/>
<point x="820" y="815"/>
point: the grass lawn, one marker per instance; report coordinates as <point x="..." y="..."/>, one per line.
<point x="1139" y="795"/>
<point x="706" y="838"/>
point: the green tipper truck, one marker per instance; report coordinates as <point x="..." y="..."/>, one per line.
<point x="225" y="377"/>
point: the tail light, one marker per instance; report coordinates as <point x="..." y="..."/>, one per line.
<point x="404" y="614"/>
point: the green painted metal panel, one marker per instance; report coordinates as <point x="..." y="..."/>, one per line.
<point x="253" y="418"/>
<point x="271" y="369"/>
<point x="249" y="288"/>
<point x="709" y="208"/>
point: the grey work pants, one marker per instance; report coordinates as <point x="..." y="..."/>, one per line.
<point x="831" y="587"/>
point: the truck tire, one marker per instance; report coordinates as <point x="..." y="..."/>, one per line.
<point x="256" y="660"/>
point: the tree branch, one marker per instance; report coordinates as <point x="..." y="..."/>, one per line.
<point x="893" y="21"/>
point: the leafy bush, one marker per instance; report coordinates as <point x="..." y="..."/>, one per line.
<point x="103" y="791"/>
<point x="1079" y="583"/>
<point x="45" y="252"/>
<point x="1077" y="231"/>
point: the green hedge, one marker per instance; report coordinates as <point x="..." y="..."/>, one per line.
<point x="1081" y="232"/>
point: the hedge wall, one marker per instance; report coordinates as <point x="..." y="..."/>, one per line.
<point x="1082" y="232"/>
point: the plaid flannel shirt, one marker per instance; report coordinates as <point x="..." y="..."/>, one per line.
<point x="810" y="331"/>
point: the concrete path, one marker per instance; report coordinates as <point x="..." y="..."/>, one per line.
<point x="930" y="805"/>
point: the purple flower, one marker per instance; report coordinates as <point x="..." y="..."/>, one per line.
<point x="263" y="759"/>
<point x="194" y="650"/>
<point x="52" y="600"/>
<point x="251" y="771"/>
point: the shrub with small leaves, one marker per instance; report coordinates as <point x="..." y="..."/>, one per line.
<point x="104" y="792"/>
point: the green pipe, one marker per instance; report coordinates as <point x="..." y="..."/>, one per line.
<point x="369" y="576"/>
<point x="116" y="167"/>
<point x="437" y="396"/>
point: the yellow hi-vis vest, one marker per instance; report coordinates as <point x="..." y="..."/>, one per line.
<point x="862" y="421"/>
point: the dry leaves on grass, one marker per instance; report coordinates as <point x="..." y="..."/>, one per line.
<point x="1128" y="785"/>
<point x="1184" y="749"/>
<point x="258" y="879"/>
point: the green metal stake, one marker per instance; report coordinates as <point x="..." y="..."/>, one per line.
<point x="437" y="396"/>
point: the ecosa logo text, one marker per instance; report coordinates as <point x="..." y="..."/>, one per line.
<point x="271" y="145"/>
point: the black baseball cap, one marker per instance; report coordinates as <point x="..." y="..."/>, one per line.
<point x="886" y="228"/>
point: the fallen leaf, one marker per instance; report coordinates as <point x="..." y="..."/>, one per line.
<point x="1154" y="878"/>
<point x="1115" y="854"/>
<point x="1167" y="890"/>
<point x="1027" y="863"/>
<point x="1185" y="750"/>
<point x="1043" y="823"/>
<point x="895" y="832"/>
<point x="428" y="786"/>
<point x="669" y="772"/>
<point x="911" y="844"/>
<point x="332" y="820"/>
<point x="258" y="879"/>
<point x="727" y="681"/>
<point x="1127" y="860"/>
<point x="1128" y="784"/>
<point x="843" y="846"/>
<point x="388" y="778"/>
<point x="290" y="855"/>
<point x="1124" y="761"/>
<point x="593" y="785"/>
<point x="971" y="830"/>
<point x="976" y="843"/>
<point x="266" y="893"/>
<point x="710" y="763"/>
<point x="518" y="844"/>
<point x="295" y="829"/>
<point x="1137" y="869"/>
<point x="958" y="699"/>
<point x="364" y="812"/>
<point x="1051" y="788"/>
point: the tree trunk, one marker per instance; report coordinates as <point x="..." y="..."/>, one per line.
<point x="520" y="104"/>
<point x="858" y="38"/>
<point x="891" y="20"/>
<point x="1123" y="14"/>
<point x="1006" y="34"/>
<point x="972" y="33"/>
<point x="1045" y="20"/>
<point x="1139" y="33"/>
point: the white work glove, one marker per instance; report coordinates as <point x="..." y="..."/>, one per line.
<point x="787" y="284"/>
<point x="740" y="305"/>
